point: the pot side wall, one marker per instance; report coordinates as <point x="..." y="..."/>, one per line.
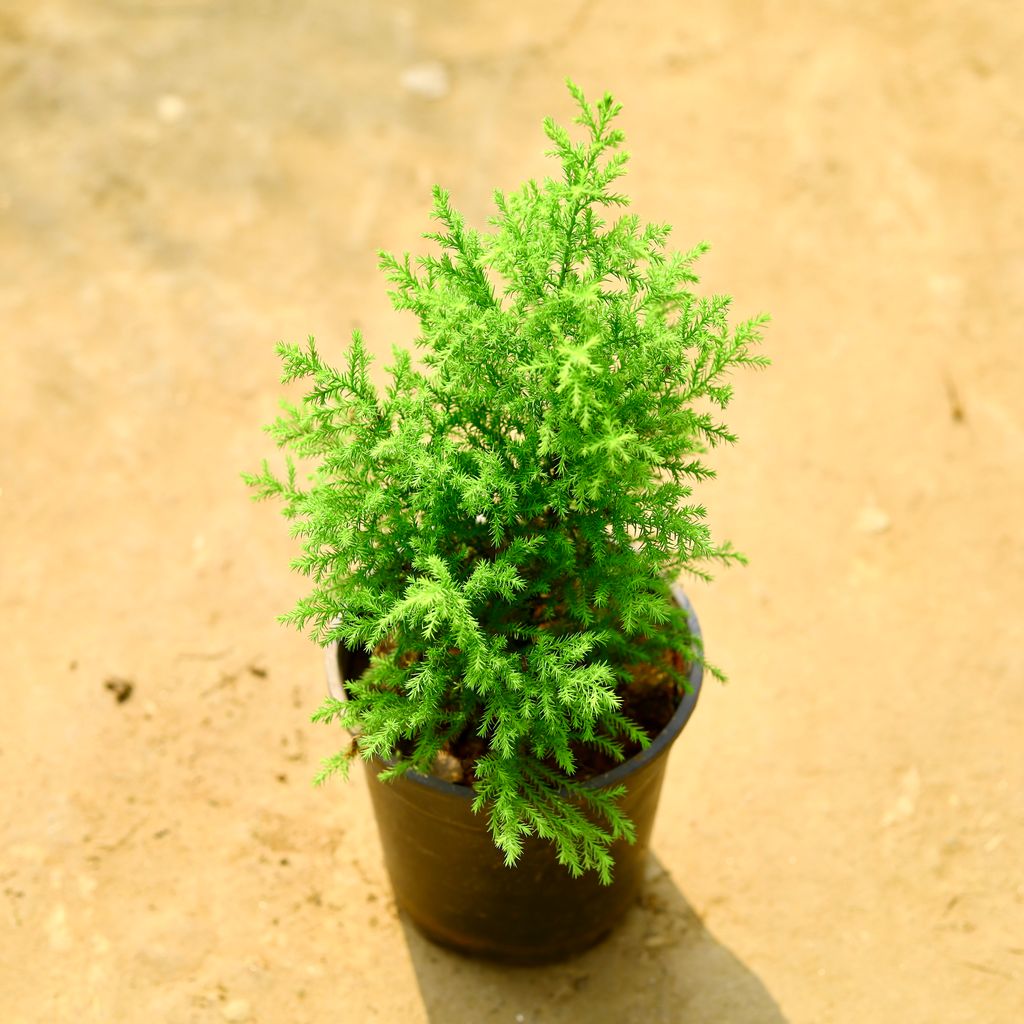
<point x="452" y="881"/>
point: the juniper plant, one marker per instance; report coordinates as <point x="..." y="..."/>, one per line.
<point x="499" y="526"/>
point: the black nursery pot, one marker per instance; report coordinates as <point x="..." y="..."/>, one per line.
<point x="452" y="881"/>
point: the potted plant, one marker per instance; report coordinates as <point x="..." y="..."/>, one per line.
<point x="492" y="544"/>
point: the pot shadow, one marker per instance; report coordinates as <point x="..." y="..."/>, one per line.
<point x="660" y="964"/>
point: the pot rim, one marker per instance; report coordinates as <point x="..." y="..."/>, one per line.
<point x="664" y="739"/>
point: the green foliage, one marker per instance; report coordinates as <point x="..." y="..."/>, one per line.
<point x="498" y="526"/>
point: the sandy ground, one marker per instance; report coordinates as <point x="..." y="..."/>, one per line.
<point x="183" y="182"/>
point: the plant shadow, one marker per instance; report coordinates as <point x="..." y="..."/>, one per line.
<point x="661" y="964"/>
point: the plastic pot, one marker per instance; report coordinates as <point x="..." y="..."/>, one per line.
<point x="452" y="881"/>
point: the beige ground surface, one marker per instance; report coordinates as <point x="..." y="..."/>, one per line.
<point x="183" y="182"/>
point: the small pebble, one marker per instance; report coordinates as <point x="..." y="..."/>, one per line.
<point x="904" y="804"/>
<point x="237" y="1010"/>
<point x="873" y="520"/>
<point x="429" y="80"/>
<point x="121" y="688"/>
<point x="170" y="108"/>
<point x="447" y="767"/>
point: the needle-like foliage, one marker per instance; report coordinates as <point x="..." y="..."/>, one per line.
<point x="499" y="527"/>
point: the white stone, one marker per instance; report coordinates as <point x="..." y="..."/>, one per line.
<point x="873" y="520"/>
<point x="236" y="1011"/>
<point x="904" y="805"/>
<point x="170" y="108"/>
<point x="429" y="80"/>
<point x="57" y="930"/>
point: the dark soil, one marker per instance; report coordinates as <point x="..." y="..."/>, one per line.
<point x="650" y="700"/>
